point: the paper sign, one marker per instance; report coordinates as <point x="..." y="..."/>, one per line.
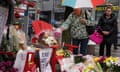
<point x="45" y="55"/>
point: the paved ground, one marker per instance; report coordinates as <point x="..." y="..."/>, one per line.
<point x="114" y="52"/>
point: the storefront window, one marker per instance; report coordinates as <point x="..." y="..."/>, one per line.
<point x="101" y="9"/>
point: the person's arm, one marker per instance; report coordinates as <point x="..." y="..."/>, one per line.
<point x="99" y="25"/>
<point x="115" y="26"/>
<point x="88" y="22"/>
<point x="87" y="18"/>
<point x="67" y="23"/>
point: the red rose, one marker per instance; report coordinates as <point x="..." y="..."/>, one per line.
<point x="17" y="15"/>
<point x="31" y="4"/>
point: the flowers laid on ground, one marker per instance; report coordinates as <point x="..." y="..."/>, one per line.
<point x="7" y="67"/>
<point x="88" y="63"/>
<point x="116" y="65"/>
<point x="63" y="53"/>
<point x="77" y="63"/>
<point x="109" y="64"/>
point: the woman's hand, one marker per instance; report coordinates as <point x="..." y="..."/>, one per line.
<point x="105" y="32"/>
<point x="83" y="20"/>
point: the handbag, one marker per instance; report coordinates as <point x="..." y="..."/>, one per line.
<point x="90" y="29"/>
<point x="96" y="37"/>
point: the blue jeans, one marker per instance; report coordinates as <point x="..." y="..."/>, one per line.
<point x="83" y="45"/>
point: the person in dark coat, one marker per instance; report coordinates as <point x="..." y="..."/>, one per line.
<point x="107" y="24"/>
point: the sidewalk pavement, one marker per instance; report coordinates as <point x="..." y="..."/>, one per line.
<point x="113" y="53"/>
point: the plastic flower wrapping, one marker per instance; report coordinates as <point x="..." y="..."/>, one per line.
<point x="79" y="63"/>
<point x="88" y="63"/>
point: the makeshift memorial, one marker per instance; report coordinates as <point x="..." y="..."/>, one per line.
<point x="79" y="63"/>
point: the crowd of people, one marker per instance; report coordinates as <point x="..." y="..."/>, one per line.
<point x="77" y="22"/>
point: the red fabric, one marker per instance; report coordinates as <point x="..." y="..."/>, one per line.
<point x="55" y="46"/>
<point x="98" y="2"/>
<point x="30" y="67"/>
<point x="59" y="57"/>
<point x="70" y="47"/>
<point x="39" y="26"/>
<point x="53" y="61"/>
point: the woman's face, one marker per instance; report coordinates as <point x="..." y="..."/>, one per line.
<point x="108" y="12"/>
<point x="77" y="11"/>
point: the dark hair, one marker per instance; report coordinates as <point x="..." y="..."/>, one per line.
<point x="109" y="7"/>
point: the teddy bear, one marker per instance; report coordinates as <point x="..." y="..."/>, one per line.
<point x="47" y="39"/>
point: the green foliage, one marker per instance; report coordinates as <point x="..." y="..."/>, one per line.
<point x="78" y="59"/>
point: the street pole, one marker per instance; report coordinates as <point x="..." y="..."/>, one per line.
<point x="26" y="21"/>
<point x="37" y="15"/>
<point x="52" y="12"/>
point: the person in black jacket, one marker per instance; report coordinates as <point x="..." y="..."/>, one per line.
<point x="107" y="24"/>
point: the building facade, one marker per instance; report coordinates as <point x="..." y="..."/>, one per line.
<point x="50" y="10"/>
<point x="100" y="9"/>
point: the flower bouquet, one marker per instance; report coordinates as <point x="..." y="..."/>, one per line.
<point x="109" y="64"/>
<point x="116" y="66"/>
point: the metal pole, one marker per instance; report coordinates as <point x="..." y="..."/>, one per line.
<point x="52" y="12"/>
<point x="37" y="15"/>
<point x="26" y="22"/>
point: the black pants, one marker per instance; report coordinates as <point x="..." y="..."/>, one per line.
<point x="83" y="45"/>
<point x="106" y="45"/>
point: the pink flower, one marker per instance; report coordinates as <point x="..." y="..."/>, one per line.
<point x="13" y="70"/>
<point x="57" y="34"/>
<point x="102" y="58"/>
<point x="8" y="63"/>
<point x="3" y="68"/>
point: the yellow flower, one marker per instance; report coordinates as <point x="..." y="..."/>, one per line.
<point x="111" y="59"/>
<point x="89" y="69"/>
<point x="96" y="59"/>
<point x="115" y="59"/>
<point x="60" y="52"/>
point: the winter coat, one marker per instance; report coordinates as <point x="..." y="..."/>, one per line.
<point x="78" y="30"/>
<point x="109" y="25"/>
